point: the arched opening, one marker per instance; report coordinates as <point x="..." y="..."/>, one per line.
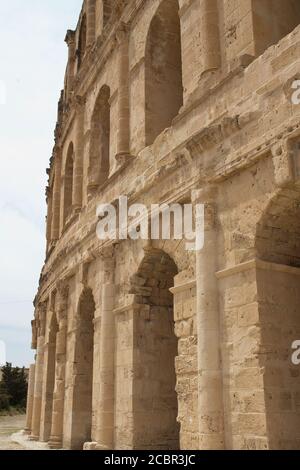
<point x="83" y="380"/>
<point x="278" y="284"/>
<point x="98" y="171"/>
<point x="155" y="407"/>
<point x="68" y="182"/>
<point x="50" y="353"/>
<point x="272" y="20"/>
<point x="163" y="80"/>
<point x="82" y="41"/>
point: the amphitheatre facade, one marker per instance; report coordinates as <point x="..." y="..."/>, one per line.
<point x="143" y="344"/>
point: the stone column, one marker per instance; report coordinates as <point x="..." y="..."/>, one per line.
<point x="210" y="35"/>
<point x="56" y="437"/>
<point x="79" y="150"/>
<point x="91" y="22"/>
<point x="49" y="216"/>
<point x="210" y="387"/>
<point x="123" y="135"/>
<point x="38" y="385"/>
<point x="49" y="371"/>
<point x="70" y="40"/>
<point x="105" y="420"/>
<point x="56" y="197"/>
<point x="30" y="394"/>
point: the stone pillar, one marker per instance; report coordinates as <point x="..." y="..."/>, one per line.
<point x="49" y="371"/>
<point x="105" y="420"/>
<point x="49" y="216"/>
<point x="79" y="150"/>
<point x="123" y="135"/>
<point x="210" y="35"/>
<point x="70" y="40"/>
<point x="30" y="394"/>
<point x="38" y="385"/>
<point x="56" y="197"/>
<point x="210" y="386"/>
<point x="91" y="22"/>
<point x="56" y="438"/>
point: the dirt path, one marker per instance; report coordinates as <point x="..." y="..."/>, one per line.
<point x="8" y="426"/>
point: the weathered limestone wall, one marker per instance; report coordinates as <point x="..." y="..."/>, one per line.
<point x="149" y="345"/>
<point x="185" y="294"/>
<point x="124" y="346"/>
<point x="245" y="419"/>
<point x="278" y="315"/>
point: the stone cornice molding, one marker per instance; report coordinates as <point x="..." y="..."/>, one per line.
<point x="183" y="287"/>
<point x="122" y="32"/>
<point x="255" y="264"/>
<point x="131" y="307"/>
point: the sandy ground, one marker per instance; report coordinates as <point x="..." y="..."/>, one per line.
<point x="12" y="436"/>
<point x="8" y="426"/>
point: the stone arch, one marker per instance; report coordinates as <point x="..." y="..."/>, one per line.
<point x="82" y="40"/>
<point x="68" y="182"/>
<point x="273" y="20"/>
<point x="155" y="407"/>
<point x="163" y="74"/>
<point x="83" y="379"/>
<point x="278" y="285"/>
<point x="99" y="166"/>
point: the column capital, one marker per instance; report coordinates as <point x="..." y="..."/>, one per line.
<point x="97" y="324"/>
<point x="62" y="289"/>
<point x="34" y="334"/>
<point x="79" y="102"/>
<point x="41" y="317"/>
<point x="122" y="32"/>
<point x="205" y="195"/>
<point x="108" y="259"/>
<point x="62" y="300"/>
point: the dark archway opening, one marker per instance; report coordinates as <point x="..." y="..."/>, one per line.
<point x="278" y="284"/>
<point x="99" y="166"/>
<point x="83" y="386"/>
<point x="155" y="406"/>
<point x="50" y="378"/>
<point x="273" y="20"/>
<point x="163" y="81"/>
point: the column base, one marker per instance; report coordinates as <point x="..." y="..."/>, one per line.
<point x="90" y="446"/>
<point x="123" y="158"/>
<point x="103" y="448"/>
<point x="95" y="446"/>
<point x="27" y="431"/>
<point x="55" y="443"/>
<point x="34" y="438"/>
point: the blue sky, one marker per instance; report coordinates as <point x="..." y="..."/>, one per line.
<point x="32" y="63"/>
